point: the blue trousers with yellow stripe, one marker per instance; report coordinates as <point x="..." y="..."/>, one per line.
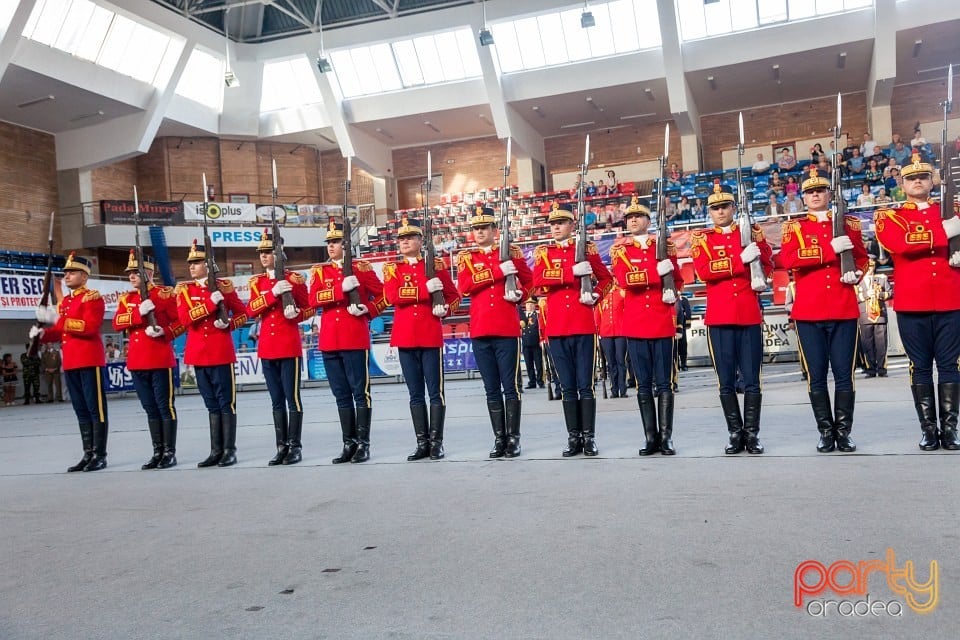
<point x="154" y="388"/>
<point x="733" y="349"/>
<point x="653" y="364"/>
<point x="283" y="382"/>
<point x="575" y="359"/>
<point x="87" y="394"/>
<point x="929" y="337"/>
<point x="828" y="344"/>
<point x="423" y="367"/>
<point x="498" y="360"/>
<point x="348" y="373"/>
<point x="218" y="388"/>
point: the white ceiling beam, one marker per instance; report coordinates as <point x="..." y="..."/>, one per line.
<point x="10" y="38"/>
<point x="883" y="61"/>
<point x="390" y="10"/>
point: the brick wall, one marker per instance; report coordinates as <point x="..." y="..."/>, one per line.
<point x="781" y="124"/>
<point x="115" y="181"/>
<point x="28" y="188"/>
<point x="918" y="102"/>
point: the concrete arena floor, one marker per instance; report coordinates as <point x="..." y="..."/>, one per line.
<point x="699" y="546"/>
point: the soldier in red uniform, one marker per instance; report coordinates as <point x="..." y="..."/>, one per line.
<point x="572" y="330"/>
<point x="927" y="301"/>
<point x="609" y="317"/>
<point x="733" y="315"/>
<point x="494" y="326"/>
<point x="345" y="340"/>
<point x="651" y="332"/>
<point x="76" y="324"/>
<point x="210" y="350"/>
<point x="150" y="357"/>
<point x="418" y="334"/>
<point x="825" y="308"/>
<point x="279" y="347"/>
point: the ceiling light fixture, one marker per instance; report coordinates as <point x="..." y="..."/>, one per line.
<point x="537" y="110"/>
<point x="486" y="38"/>
<point x="431" y="126"/>
<point x="230" y="79"/>
<point x="586" y="18"/>
<point x="87" y="116"/>
<point x="30" y="103"/>
<point x="649" y="93"/>
<point x="842" y="60"/>
<point x="916" y="47"/>
<point x="577" y="124"/>
<point x="637" y="115"/>
<point x="323" y="64"/>
<point x="384" y="133"/>
<point x="713" y="82"/>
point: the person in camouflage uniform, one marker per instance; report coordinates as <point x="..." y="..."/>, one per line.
<point x="31" y="376"/>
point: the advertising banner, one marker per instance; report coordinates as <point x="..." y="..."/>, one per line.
<point x="151" y="213"/>
<point x="23" y="292"/>
<point x="220" y="212"/>
<point x="119" y="377"/>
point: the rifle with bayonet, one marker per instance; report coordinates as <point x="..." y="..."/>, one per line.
<point x="45" y="296"/>
<point x="353" y="297"/>
<point x="757" y="276"/>
<point x="668" y="284"/>
<point x="430" y="251"/>
<point x="840" y="203"/>
<point x="510" y="286"/>
<point x="948" y="192"/>
<point x="279" y="257"/>
<point x="151" y="318"/>
<point x="213" y="271"/>
<point x="586" y="281"/>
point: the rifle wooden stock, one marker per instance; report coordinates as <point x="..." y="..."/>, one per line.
<point x="430" y="251"/>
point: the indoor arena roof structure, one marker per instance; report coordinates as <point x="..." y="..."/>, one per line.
<point x="370" y="76"/>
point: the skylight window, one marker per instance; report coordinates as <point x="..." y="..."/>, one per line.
<point x="556" y="38"/>
<point x="699" y="20"/>
<point x="425" y="60"/>
<point x="202" y="79"/>
<point x="91" y="32"/>
<point x="289" y="83"/>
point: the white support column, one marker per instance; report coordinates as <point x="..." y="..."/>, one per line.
<point x="124" y="137"/>
<point x="684" y="110"/>
<point x="241" y="104"/>
<point x="10" y="38"/>
<point x="883" y="71"/>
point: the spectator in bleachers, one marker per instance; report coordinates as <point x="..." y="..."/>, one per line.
<point x="890" y="166"/>
<point x="882" y="197"/>
<point x="792" y="204"/>
<point x="773" y="209"/>
<point x="865" y="199"/>
<point x="869" y="146"/>
<point x="775" y="186"/>
<point x="956" y="146"/>
<point x="891" y="182"/>
<point x="918" y="140"/>
<point x="602" y="188"/>
<point x="786" y="162"/>
<point x="674" y="176"/>
<point x="848" y="150"/>
<point x="855" y="163"/>
<point x="816" y="152"/>
<point x="873" y="175"/>
<point x="832" y="153"/>
<point x="591" y="189"/>
<point x="791" y="186"/>
<point x="900" y="153"/>
<point x="697" y="211"/>
<point x="612" y="187"/>
<point x="672" y="211"/>
<point x="761" y="165"/>
<point x="684" y="214"/>
<point x="893" y="143"/>
<point x="590" y="218"/>
<point x="897" y="192"/>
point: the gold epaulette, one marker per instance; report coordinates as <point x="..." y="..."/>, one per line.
<point x="253" y="280"/>
<point x="756" y="233"/>
<point x="180" y="288"/>
<point x="698" y="235"/>
<point x="853" y="222"/>
<point x="462" y="258"/>
<point x="226" y="286"/>
<point x="91" y="295"/>
<point x="671" y="248"/>
<point x="515" y="251"/>
<point x="617" y="249"/>
<point x="592" y="249"/>
<point x="540" y="253"/>
<point x="788" y="227"/>
<point x="438" y="264"/>
<point x="362" y="265"/>
<point x="165" y="293"/>
<point x="297" y="277"/>
<point x="389" y="270"/>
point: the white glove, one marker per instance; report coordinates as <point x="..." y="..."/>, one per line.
<point x="154" y="332"/>
<point x="35" y="332"/>
<point x="216" y="297"/>
<point x="955" y="259"/>
<point x="952" y="226"/>
<point x="851" y="277"/>
<point x="841" y="244"/>
<point x="665" y="266"/>
<point x="146" y="307"/>
<point x="508" y="268"/>
<point x="668" y="297"/>
<point x="349" y="284"/>
<point x="290" y="312"/>
<point x="219" y="324"/>
<point x="513" y="296"/>
<point x="440" y="310"/>
<point x="282" y="287"/>
<point x="583" y="269"/>
<point x="47" y="315"/>
<point x="357" y="309"/>
<point x="434" y="285"/>
<point x="589" y="298"/>
<point x="758" y="284"/>
<point x="750" y="253"/>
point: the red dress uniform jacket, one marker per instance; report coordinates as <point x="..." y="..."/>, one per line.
<point x="279" y="337"/>
<point x="208" y="346"/>
<point x="479" y="276"/>
<point x="635" y="270"/>
<point x="405" y="287"/>
<point x="915" y="238"/>
<point x="78" y="328"/>
<point x="542" y="307"/>
<point x="553" y="272"/>
<point x="716" y="259"/>
<point x="340" y="331"/>
<point x="144" y="352"/>
<point x="609" y="314"/>
<point x="806" y="250"/>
